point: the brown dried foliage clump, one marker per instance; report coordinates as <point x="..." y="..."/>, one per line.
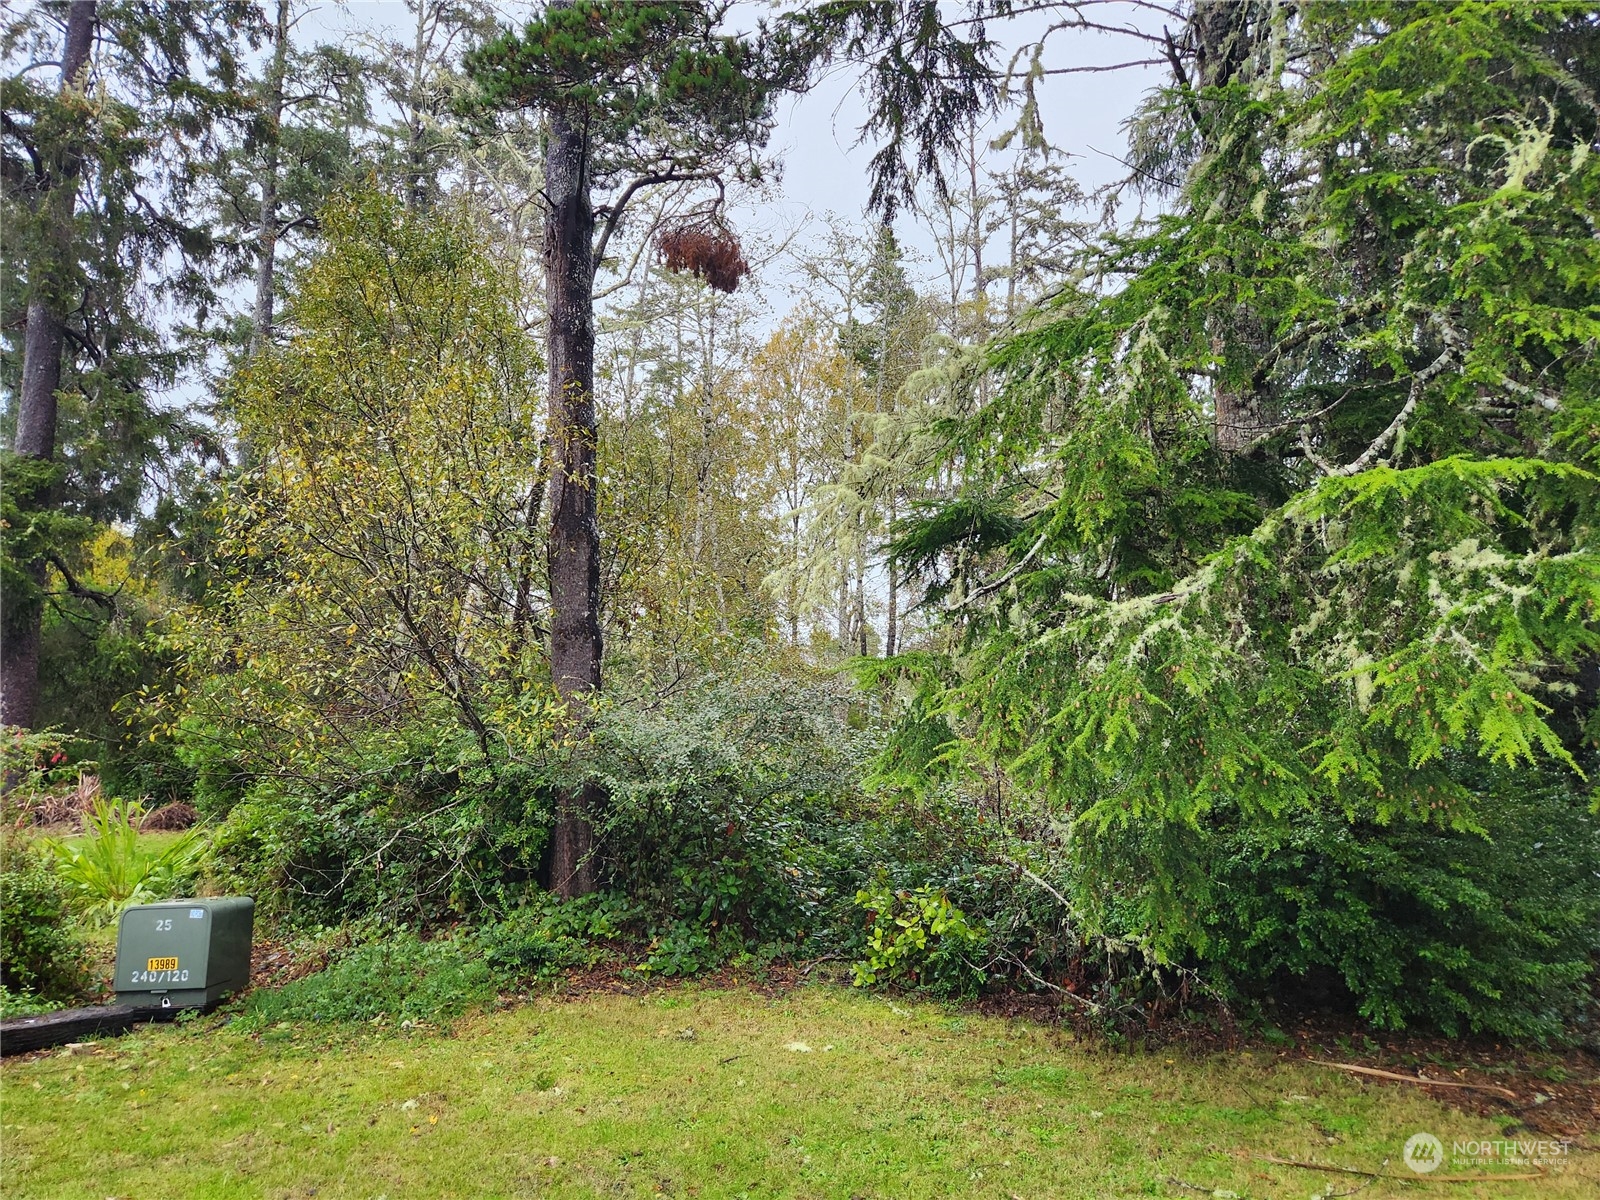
<point x="707" y="250"/>
<point x="170" y="817"/>
<point x="65" y="806"/>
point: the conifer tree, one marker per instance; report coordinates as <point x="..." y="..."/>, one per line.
<point x="1292" y="519"/>
<point x="99" y="167"/>
<point x="633" y="96"/>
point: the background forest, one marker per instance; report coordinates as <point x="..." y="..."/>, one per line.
<point x="1179" y="592"/>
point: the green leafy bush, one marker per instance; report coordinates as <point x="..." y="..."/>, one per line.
<point x="918" y="938"/>
<point x="43" y="959"/>
<point x="116" y="866"/>
<point x="402" y="978"/>
<point x="687" y="948"/>
<point x="102" y="673"/>
<point x="545" y="937"/>
<point x="26" y="1004"/>
<point x="419" y="828"/>
<point x="1493" y="933"/>
<point x="727" y="812"/>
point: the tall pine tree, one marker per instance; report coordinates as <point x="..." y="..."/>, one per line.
<point x="99" y="166"/>
<point x="633" y="96"/>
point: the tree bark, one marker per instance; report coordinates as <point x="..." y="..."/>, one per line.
<point x="49" y="284"/>
<point x="975" y="228"/>
<point x="860" y="619"/>
<point x="891" y="631"/>
<point x="267" y="232"/>
<point x="416" y="153"/>
<point x="522" y="605"/>
<point x="1221" y="33"/>
<point x="574" y="546"/>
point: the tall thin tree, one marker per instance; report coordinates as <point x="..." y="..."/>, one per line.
<point x="49" y="301"/>
<point x="633" y="96"/>
<point x="99" y="169"/>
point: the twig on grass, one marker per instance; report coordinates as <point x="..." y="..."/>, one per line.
<point x="1412" y="1178"/>
<point x="1397" y="1078"/>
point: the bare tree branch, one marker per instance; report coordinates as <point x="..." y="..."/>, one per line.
<point x="1419" y="383"/>
<point x="618" y="206"/>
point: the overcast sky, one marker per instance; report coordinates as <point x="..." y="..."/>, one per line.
<point x="824" y="169"/>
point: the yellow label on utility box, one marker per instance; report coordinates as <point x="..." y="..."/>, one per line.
<point x="162" y="964"/>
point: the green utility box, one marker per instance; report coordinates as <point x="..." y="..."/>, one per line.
<point x="184" y="953"/>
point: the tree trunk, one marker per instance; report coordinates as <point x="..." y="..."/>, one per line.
<point x="574" y="548"/>
<point x="267" y="232"/>
<point x="1221" y="33"/>
<point x="891" y="632"/>
<point x="416" y="131"/>
<point x="860" y="619"/>
<point x="975" y="228"/>
<point x="522" y="605"/>
<point x="49" y="282"/>
<point x="848" y="441"/>
<point x="1011" y="275"/>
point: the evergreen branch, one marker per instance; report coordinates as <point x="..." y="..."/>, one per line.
<point x="85" y="343"/>
<point x="16" y="131"/>
<point x="1094" y="70"/>
<point x="1140" y="171"/>
<point x="1548" y="401"/>
<point x="1312" y="456"/>
<point x="1182" y="77"/>
<point x="988" y="588"/>
<point x="1307" y="332"/>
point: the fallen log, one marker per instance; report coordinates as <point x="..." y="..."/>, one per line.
<point x="22" y="1034"/>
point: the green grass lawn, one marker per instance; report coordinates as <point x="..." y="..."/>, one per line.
<point x="687" y="1092"/>
<point x="156" y="839"/>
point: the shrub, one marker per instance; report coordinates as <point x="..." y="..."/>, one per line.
<point x="42" y="956"/>
<point x="405" y="978"/>
<point x="686" y="948"/>
<point x="1493" y="933"/>
<point x="918" y="938"/>
<point x="38" y="767"/>
<point x="1407" y="923"/>
<point x="421" y="828"/>
<point x="101" y="672"/>
<point x="726" y="813"/>
<point x="723" y="811"/>
<point x="115" y="867"/>
<point x="402" y="978"/>
<point x="26" y="1004"/>
<point x="545" y="937"/>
